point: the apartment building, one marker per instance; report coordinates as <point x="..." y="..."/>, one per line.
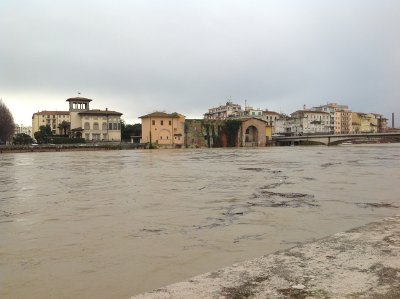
<point x="224" y="111"/>
<point x="368" y="123"/>
<point x="340" y="117"/>
<point x="343" y="121"/>
<point x="49" y="118"/>
<point x="21" y="129"/>
<point x="313" y="122"/>
<point x="163" y="129"/>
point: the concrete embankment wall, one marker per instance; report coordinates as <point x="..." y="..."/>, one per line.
<point x="361" y="263"/>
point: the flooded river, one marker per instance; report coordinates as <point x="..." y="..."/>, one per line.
<point x="111" y="224"/>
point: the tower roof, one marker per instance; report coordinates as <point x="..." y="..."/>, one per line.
<point x="79" y="99"/>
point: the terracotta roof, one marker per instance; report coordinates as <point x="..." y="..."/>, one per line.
<point x="162" y="114"/>
<point x="272" y="112"/>
<point x="99" y="112"/>
<point x="310" y="111"/>
<point x="79" y="99"/>
<point x="45" y="112"/>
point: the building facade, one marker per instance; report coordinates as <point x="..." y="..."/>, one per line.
<point x="368" y="123"/>
<point x="163" y="129"/>
<point x="223" y="111"/>
<point x="246" y="132"/>
<point x="92" y="125"/>
<point x="21" y="129"/>
<point x="340" y="117"/>
<point x="49" y="118"/>
<point x="312" y="122"/>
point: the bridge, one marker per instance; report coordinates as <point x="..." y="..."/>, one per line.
<point x="333" y="139"/>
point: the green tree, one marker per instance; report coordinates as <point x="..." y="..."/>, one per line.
<point x="22" y="138"/>
<point x="130" y="130"/>
<point x="7" y="126"/>
<point x="44" y="134"/>
<point x="232" y="127"/>
<point x="65" y="126"/>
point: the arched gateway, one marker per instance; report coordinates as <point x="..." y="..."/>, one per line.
<point x="254" y="132"/>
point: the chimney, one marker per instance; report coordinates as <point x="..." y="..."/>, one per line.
<point x="392" y="120"/>
<point x="106" y="109"/>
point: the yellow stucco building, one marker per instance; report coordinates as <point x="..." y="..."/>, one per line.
<point x="90" y="124"/>
<point x="163" y="129"/>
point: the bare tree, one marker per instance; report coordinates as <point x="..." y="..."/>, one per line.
<point x="7" y="126"/>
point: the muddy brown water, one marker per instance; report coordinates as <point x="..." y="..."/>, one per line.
<point x="117" y="223"/>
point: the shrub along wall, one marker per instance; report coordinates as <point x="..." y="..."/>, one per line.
<point x="66" y="140"/>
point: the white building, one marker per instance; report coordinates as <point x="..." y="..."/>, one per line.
<point x="313" y="122"/>
<point x="288" y="126"/>
<point x="21" y="129"/>
<point x="223" y="111"/>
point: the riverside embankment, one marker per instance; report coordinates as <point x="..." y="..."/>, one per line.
<point x="66" y="147"/>
<point x="361" y="263"/>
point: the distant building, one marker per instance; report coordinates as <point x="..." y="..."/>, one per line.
<point x="340" y="118"/>
<point x="312" y="122"/>
<point x="288" y="126"/>
<point x="163" y="129"/>
<point x="21" y="129"/>
<point x="251" y="112"/>
<point x="368" y="123"/>
<point x="271" y="117"/>
<point x="252" y="132"/>
<point x="92" y="125"/>
<point x="223" y="111"/>
<point x="95" y="124"/>
<point x="50" y="118"/>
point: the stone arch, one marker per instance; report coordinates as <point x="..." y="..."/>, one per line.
<point x="254" y="132"/>
<point x="251" y="134"/>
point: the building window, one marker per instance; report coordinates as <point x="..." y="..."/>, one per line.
<point x="96" y="126"/>
<point x="87" y="126"/>
<point x="162" y="122"/>
<point x="160" y="137"/>
<point x="119" y="126"/>
<point x="170" y="123"/>
<point x="104" y="126"/>
<point x="110" y="126"/>
<point x="115" y="126"/>
<point x="153" y="122"/>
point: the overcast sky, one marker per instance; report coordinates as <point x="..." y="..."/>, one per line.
<point x="140" y="56"/>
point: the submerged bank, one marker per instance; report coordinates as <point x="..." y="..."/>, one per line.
<point x="361" y="263"/>
<point x="127" y="146"/>
<point x="66" y="147"/>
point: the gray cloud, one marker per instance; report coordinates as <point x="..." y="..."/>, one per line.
<point x="186" y="56"/>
